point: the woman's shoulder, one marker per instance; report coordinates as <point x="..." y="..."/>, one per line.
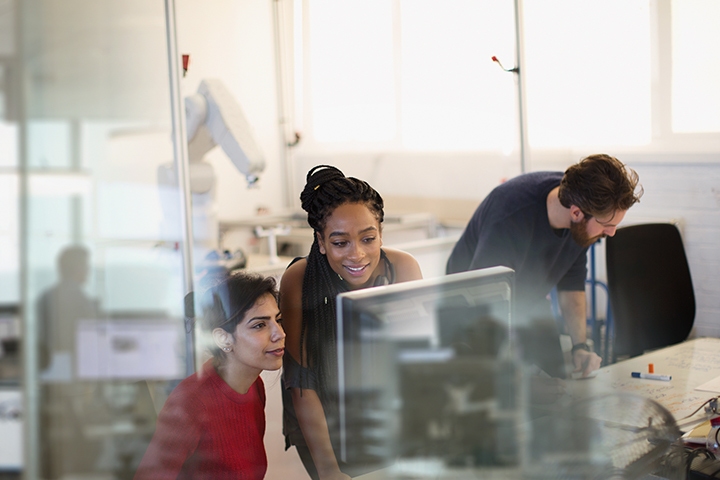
<point x="197" y="383"/>
<point x="297" y="265"/>
<point x="406" y="266"/>
<point x="292" y="277"/>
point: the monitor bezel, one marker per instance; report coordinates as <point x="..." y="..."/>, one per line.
<point x="485" y="275"/>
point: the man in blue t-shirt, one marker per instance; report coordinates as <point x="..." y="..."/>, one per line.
<point x="541" y="224"/>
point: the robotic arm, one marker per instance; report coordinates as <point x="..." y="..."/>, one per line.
<point x="214" y="118"/>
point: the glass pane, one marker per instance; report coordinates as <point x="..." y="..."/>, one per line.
<point x="453" y="96"/>
<point x="352" y="70"/>
<point x="9" y="251"/>
<point x="8" y="144"/>
<point x="7" y="30"/>
<point x="104" y="274"/>
<point x="587" y="68"/>
<point x="49" y="144"/>
<point x="695" y="66"/>
<point x="3" y="88"/>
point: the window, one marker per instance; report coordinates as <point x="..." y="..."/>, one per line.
<point x="351" y="76"/>
<point x="410" y="74"/>
<point x="695" y="66"/>
<point x="453" y="97"/>
<point x="588" y="73"/>
<point x="416" y="75"/>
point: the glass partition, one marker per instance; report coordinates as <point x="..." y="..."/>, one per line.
<point x="99" y="284"/>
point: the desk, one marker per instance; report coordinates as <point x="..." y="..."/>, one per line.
<point x="691" y="364"/>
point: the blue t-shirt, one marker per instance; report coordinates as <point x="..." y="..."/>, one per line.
<point x="511" y="228"/>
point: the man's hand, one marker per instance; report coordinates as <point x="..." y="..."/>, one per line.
<point x="586" y="362"/>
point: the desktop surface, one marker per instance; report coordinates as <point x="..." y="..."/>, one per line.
<point x="691" y="364"/>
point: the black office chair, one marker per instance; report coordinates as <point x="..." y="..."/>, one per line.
<point x="650" y="288"/>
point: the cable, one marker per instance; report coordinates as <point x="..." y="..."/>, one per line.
<point x="692" y="456"/>
<point x="711" y="408"/>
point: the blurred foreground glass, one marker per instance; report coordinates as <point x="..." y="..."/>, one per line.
<point x="102" y="272"/>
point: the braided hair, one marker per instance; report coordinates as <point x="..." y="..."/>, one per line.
<point x="326" y="189"/>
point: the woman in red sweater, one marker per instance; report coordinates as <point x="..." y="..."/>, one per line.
<point x="212" y="424"/>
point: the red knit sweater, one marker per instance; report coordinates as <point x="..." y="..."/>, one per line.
<point x="206" y="430"/>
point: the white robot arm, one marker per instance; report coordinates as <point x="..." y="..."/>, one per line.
<point x="215" y="118"/>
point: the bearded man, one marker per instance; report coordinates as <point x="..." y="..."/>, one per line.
<point x="541" y="224"/>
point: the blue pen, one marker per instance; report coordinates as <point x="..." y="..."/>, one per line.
<point x="652" y="376"/>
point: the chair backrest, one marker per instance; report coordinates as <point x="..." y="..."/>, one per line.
<point x="651" y="291"/>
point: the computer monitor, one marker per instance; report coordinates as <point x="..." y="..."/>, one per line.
<point x="128" y="349"/>
<point x="426" y="369"/>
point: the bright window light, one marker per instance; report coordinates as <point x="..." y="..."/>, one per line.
<point x="695" y="66"/>
<point x="49" y="144"/>
<point x="8" y="144"/>
<point x="352" y="70"/>
<point x="587" y="68"/>
<point x="453" y="96"/>
<point x="59" y="185"/>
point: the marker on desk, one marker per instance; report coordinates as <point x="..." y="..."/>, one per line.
<point x="652" y="376"/>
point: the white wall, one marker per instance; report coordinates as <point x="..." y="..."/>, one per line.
<point x="233" y="40"/>
<point x="690" y="193"/>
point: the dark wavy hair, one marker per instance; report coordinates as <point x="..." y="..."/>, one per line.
<point x="326" y="189"/>
<point x="225" y="304"/>
<point x="599" y="185"/>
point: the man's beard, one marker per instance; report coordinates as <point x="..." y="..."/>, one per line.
<point x="578" y="230"/>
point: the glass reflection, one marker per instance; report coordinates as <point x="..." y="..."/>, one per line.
<point x="103" y="273"/>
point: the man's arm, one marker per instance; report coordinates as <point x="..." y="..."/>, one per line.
<point x="573" y="307"/>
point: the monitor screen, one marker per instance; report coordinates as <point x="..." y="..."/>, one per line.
<point x="426" y="370"/>
<point x="130" y="349"/>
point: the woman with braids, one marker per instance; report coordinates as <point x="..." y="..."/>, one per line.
<point x="346" y="216"/>
<point x="212" y="424"/>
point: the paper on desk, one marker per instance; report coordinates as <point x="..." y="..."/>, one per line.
<point x="697" y="434"/>
<point x="711" y="386"/>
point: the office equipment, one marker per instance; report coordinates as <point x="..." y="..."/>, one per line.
<point x="712" y="442"/>
<point x="706" y="469"/>
<point x="698" y="434"/>
<point x="651" y="376"/>
<point x="129" y="349"/>
<point x="616" y="435"/>
<point x="214" y="117"/>
<point x="651" y="290"/>
<point x="427" y="369"/>
<point x="691" y="364"/>
<point x="11" y="429"/>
